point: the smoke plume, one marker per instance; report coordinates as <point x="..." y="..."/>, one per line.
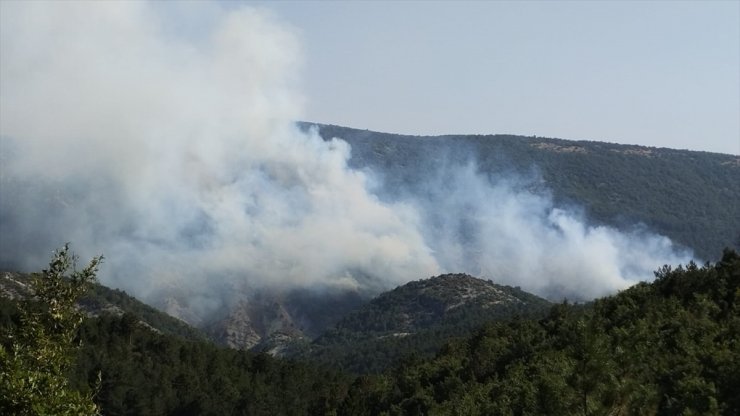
<point x="169" y="146"/>
<point x="504" y="229"/>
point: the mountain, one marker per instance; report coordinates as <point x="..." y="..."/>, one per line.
<point x="418" y="317"/>
<point x="270" y="319"/>
<point x="691" y="197"/>
<point x="336" y="328"/>
<point x="445" y="300"/>
<point x="664" y="348"/>
<point x="263" y="320"/>
<point x="143" y="370"/>
<point x="101" y="300"/>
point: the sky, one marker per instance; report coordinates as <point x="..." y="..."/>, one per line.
<point x="664" y="74"/>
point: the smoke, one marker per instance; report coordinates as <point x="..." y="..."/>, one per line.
<point x="180" y="162"/>
<point x="171" y="149"/>
<point x="505" y="229"/>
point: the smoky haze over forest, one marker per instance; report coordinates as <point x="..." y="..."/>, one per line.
<point x="178" y="159"/>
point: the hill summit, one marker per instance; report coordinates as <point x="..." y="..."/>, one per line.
<point x="418" y="318"/>
<point x="448" y="299"/>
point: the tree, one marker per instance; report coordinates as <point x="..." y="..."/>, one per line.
<point x="42" y="349"/>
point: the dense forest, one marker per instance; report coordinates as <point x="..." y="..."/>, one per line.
<point x="669" y="347"/>
<point x="688" y="196"/>
<point x="420" y="316"/>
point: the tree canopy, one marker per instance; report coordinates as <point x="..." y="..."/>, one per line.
<point x="41" y="350"/>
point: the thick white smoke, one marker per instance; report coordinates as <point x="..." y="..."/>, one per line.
<point x="180" y="161"/>
<point x="500" y="228"/>
<point x="171" y="150"/>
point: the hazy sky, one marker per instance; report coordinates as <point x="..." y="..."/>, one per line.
<point x="661" y="73"/>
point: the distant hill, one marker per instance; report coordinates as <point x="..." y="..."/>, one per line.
<point x="691" y="197"/>
<point x="445" y="300"/>
<point x="668" y="347"/>
<point x="147" y="364"/>
<point x="418" y="317"/>
<point x="101" y="300"/>
<point x="268" y="320"/>
<point x="337" y="329"/>
<point x="263" y="321"/>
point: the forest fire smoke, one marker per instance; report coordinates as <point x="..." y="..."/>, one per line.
<point x="174" y="154"/>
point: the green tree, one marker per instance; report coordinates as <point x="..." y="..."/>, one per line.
<point x="43" y="348"/>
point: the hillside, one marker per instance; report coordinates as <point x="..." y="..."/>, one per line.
<point x="260" y="320"/>
<point x="667" y="348"/>
<point x="691" y="197"/>
<point x="337" y="329"/>
<point x="102" y="300"/>
<point x="418" y="317"/>
<point x="268" y="319"/>
<point x="445" y="300"/>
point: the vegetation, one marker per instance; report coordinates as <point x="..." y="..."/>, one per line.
<point x="37" y="353"/>
<point x="101" y="300"/>
<point x="55" y="362"/>
<point x="143" y="372"/>
<point x="418" y="318"/>
<point x="671" y="347"/>
<point x="100" y="297"/>
<point x="147" y="373"/>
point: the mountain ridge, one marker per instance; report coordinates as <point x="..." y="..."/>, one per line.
<point x="420" y="304"/>
<point x="419" y="316"/>
<point x="668" y="346"/>
<point x="303" y="124"/>
<point x="101" y="300"/>
<point x="689" y="196"/>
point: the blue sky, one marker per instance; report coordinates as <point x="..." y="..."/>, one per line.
<point x="663" y="74"/>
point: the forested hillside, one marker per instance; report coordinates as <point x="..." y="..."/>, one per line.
<point x="418" y="318"/>
<point x="148" y="373"/>
<point x="667" y="348"/>
<point x="102" y="300"/>
<point x="691" y="197"/>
